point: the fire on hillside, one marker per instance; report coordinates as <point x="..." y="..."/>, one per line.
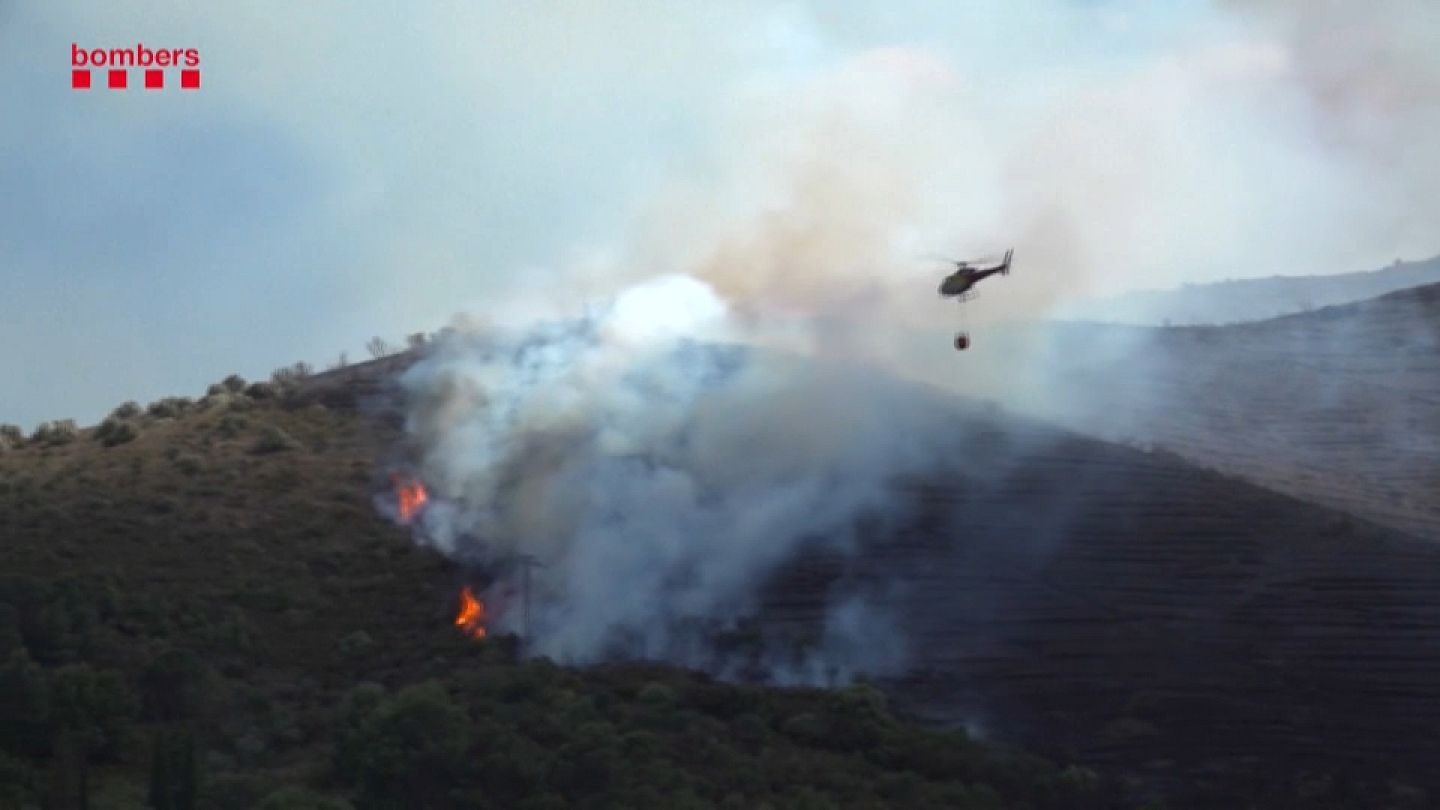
<point x="410" y="497"/>
<point x="471" y="618"/>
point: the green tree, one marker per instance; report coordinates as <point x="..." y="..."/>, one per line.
<point x="172" y="685"/>
<point x="174" y="771"/>
<point x="588" y="765"/>
<point x="352" y="730"/>
<point x="17" y="783"/>
<point x="856" y="718"/>
<point x="408" y="750"/>
<point x="89" y="712"/>
<point x="94" y="706"/>
<point x="24" y="707"/>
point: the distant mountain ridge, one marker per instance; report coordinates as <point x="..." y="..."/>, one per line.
<point x="1253" y="299"/>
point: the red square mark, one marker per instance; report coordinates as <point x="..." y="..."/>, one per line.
<point x="117" y="80"/>
<point x="154" y="79"/>
<point x="189" y="80"/>
<point x="80" y="79"/>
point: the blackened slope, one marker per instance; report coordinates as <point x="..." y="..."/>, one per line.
<point x="1340" y="406"/>
<point x="1162" y="619"/>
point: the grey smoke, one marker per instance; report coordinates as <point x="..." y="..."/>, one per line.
<point x="860" y="636"/>
<point x="661" y="479"/>
<point x="660" y="473"/>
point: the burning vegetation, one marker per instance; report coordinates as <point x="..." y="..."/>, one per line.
<point x="410" y="497"/>
<point x="471" y="618"/>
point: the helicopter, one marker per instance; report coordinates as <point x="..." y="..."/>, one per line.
<point x="959" y="284"/>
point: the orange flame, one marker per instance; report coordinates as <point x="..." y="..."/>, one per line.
<point x="471" y="619"/>
<point x="410" y="496"/>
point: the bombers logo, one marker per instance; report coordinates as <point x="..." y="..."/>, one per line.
<point x="117" y="62"/>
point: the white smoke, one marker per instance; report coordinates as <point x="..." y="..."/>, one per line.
<point x="660" y="473"/>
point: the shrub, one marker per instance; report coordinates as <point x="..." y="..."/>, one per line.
<point x="356" y="643"/>
<point x="188" y="463"/>
<point x="115" y="431"/>
<point x="805" y="728"/>
<point x="126" y="410"/>
<point x="170" y="407"/>
<point x="289" y="375"/>
<point x="230" y="425"/>
<point x="263" y="390"/>
<point x="235" y="384"/>
<point x="378" y="347"/>
<point x="10" y="436"/>
<point x="274" y="440"/>
<point x="750" y="729"/>
<point x="657" y="695"/>
<point x="62" y="431"/>
<point x="222" y="400"/>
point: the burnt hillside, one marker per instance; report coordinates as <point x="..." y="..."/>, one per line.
<point x="1340" y="406"/>
<point x="1155" y="618"/>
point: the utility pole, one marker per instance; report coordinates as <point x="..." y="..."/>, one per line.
<point x="526" y="561"/>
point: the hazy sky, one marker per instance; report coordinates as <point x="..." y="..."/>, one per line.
<point x="352" y="169"/>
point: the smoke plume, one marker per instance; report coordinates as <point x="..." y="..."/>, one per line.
<point x="665" y="453"/>
<point x="659" y="473"/>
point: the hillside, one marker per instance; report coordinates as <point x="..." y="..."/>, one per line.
<point x="1253" y="299"/>
<point x="1162" y="621"/>
<point x="200" y="607"/>
<point x="1192" y="634"/>
<point x="1340" y="406"/>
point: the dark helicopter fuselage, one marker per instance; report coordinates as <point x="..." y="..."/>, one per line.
<point x="960" y="281"/>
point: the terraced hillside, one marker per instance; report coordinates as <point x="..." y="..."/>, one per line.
<point x="1340" y="406"/>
